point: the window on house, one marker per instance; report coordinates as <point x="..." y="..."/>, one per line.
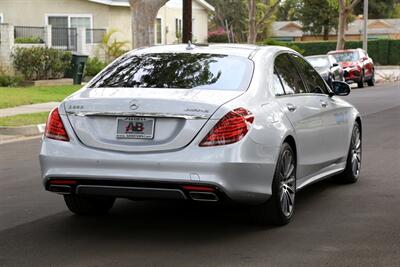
<point x="61" y="35"/>
<point x="1" y="18"/>
<point x="178" y="28"/>
<point x="158" y="31"/>
<point x="85" y="22"/>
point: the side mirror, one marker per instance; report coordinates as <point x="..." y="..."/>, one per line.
<point x="340" y="88"/>
<point x="364" y="58"/>
<point x="335" y="64"/>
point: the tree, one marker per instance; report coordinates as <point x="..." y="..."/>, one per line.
<point x="288" y="10"/>
<point x="377" y="9"/>
<point x="230" y="15"/>
<point x="345" y="9"/>
<point x="144" y="13"/>
<point x="396" y="11"/>
<point x="260" y="11"/>
<point x="318" y="17"/>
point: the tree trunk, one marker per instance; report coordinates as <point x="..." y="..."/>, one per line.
<point x="144" y="13"/>
<point x="252" y="37"/>
<point x="343" y="14"/>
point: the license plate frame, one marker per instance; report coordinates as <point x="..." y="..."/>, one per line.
<point x="127" y="128"/>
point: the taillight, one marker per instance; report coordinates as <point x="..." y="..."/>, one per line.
<point x="230" y="129"/>
<point x="55" y="128"/>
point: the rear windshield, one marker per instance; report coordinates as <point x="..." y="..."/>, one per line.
<point x="178" y="70"/>
<point x="346" y="56"/>
<point x="319" y="62"/>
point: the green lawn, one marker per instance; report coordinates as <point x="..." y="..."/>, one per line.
<point x="24" y="119"/>
<point x="12" y="97"/>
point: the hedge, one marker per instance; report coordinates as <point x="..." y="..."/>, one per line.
<point x="39" y="63"/>
<point x="383" y="51"/>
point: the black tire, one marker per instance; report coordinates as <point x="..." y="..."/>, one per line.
<point x="272" y="212"/>
<point x="89" y="205"/>
<point x="371" y="82"/>
<point x="350" y="174"/>
<point x="360" y="84"/>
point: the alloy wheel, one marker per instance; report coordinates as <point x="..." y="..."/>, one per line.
<point x="356" y="152"/>
<point x="287" y="187"/>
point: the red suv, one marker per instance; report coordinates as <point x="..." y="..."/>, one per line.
<point x="357" y="65"/>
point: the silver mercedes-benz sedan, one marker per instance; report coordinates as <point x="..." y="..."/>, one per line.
<point x="215" y="123"/>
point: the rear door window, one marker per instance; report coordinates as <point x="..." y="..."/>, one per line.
<point x="290" y="78"/>
<point x="278" y="87"/>
<point x="179" y="71"/>
<point x="310" y="76"/>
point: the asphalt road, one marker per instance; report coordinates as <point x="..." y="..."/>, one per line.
<point x="334" y="225"/>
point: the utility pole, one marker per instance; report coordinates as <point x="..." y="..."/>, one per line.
<point x="187" y="21"/>
<point x="365" y="36"/>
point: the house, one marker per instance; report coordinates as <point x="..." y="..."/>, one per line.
<point x="377" y="29"/>
<point x="101" y="14"/>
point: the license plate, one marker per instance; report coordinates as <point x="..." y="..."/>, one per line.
<point x="135" y="128"/>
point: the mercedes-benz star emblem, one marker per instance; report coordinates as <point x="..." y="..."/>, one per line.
<point x="134" y="106"/>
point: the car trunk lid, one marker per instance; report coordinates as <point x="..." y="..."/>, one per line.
<point x="177" y="116"/>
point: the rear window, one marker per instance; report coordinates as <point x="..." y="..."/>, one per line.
<point x="346" y="56"/>
<point x="319" y="62"/>
<point x="178" y="70"/>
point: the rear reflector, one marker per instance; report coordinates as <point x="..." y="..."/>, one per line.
<point x="55" y="128"/>
<point x="230" y="129"/>
<point x="198" y="188"/>
<point x="62" y="182"/>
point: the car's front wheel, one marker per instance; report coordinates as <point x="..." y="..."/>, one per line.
<point x="353" y="164"/>
<point x="371" y="82"/>
<point x="89" y="205"/>
<point x="279" y="209"/>
<point x="360" y="83"/>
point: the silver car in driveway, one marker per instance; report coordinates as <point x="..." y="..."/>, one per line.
<point x="215" y="123"/>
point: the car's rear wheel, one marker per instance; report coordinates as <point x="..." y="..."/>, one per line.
<point x="360" y="83"/>
<point x="353" y="163"/>
<point x="279" y="209"/>
<point x="371" y="82"/>
<point x="89" y="205"/>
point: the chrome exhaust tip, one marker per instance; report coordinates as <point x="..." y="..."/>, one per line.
<point x="60" y="189"/>
<point x="203" y="196"/>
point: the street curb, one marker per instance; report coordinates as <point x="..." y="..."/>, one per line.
<point x="394" y="67"/>
<point x="23" y="130"/>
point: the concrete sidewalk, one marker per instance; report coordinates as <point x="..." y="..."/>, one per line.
<point x="42" y="107"/>
<point x="387" y="73"/>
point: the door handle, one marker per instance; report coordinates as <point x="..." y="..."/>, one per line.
<point x="291" y="107"/>
<point x="324" y="104"/>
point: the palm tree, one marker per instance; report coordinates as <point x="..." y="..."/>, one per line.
<point x="112" y="48"/>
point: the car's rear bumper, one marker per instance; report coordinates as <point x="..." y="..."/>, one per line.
<point x="231" y="170"/>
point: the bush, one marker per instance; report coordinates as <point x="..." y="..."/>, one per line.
<point x="393" y="53"/>
<point x="29" y="40"/>
<point x="219" y="36"/>
<point x="10" y="81"/>
<point x="290" y="45"/>
<point x="37" y="63"/>
<point x="94" y="66"/>
<point x="316" y="48"/>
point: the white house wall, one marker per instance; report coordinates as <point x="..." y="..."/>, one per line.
<point x="103" y="16"/>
